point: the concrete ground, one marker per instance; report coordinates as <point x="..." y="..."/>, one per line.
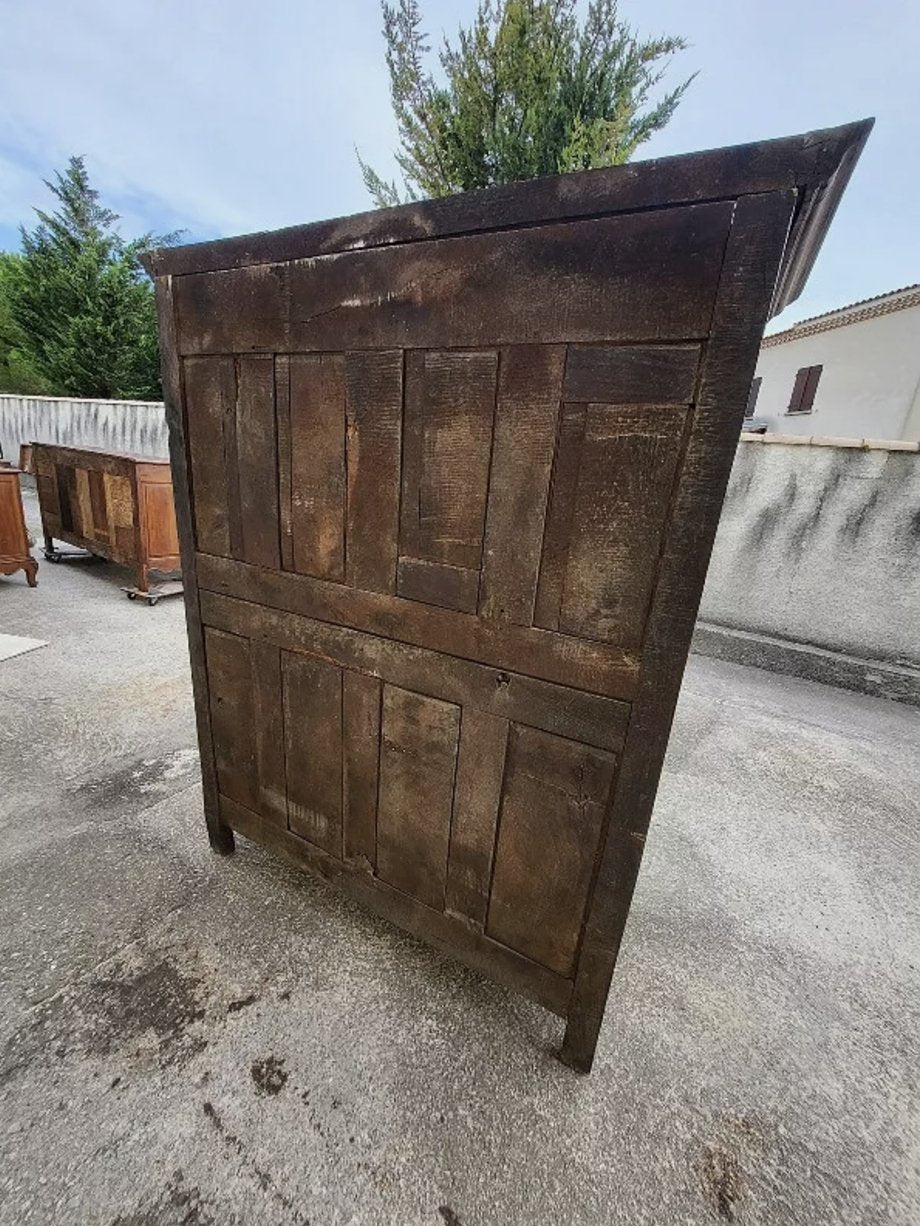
<point x="186" y="1039"/>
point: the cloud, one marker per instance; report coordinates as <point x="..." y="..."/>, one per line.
<point x="217" y="117"/>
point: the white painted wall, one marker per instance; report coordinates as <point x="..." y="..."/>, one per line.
<point x="869" y="388"/>
<point x="134" y="426"/>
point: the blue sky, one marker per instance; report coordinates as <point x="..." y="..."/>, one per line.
<point x="225" y="117"/>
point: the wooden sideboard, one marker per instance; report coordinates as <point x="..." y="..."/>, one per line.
<point x="14" y="540"/>
<point x="119" y="507"/>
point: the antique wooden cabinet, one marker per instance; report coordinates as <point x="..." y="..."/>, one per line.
<point x="14" y="539"/>
<point x="117" y="506"/>
<point x="448" y="477"/>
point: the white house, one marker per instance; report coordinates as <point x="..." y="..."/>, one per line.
<point x="851" y="373"/>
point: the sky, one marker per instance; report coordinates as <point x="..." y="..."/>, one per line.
<point x="225" y="117"/>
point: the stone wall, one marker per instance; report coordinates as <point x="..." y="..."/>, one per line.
<point x="819" y="543"/>
<point x="134" y="426"/>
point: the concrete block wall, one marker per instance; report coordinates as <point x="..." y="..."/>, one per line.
<point x="819" y="543"/>
<point x="134" y="426"/>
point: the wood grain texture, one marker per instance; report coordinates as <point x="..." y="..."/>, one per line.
<point x="268" y="731"/>
<point x="283" y="434"/>
<point x="559" y="516"/>
<point x="631" y="374"/>
<point x="629" y="456"/>
<point x="584" y="665"/>
<point x="448" y="416"/>
<point x="480" y="771"/>
<point x="418" y="757"/>
<point x="751" y="266"/>
<point x="552" y="812"/>
<point x="640" y="277"/>
<point x="527" y="412"/>
<point x="317" y="416"/>
<point x="450" y="587"/>
<point x="591" y="718"/>
<point x="239" y="311"/>
<point x="220" y="835"/>
<point x="257" y="461"/>
<point x="361" y="699"/>
<point x="233" y="715"/>
<point x="313" y="749"/>
<point x="373" y="406"/>
<point x="210" y="399"/>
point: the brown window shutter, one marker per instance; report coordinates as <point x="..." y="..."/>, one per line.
<point x="752" y="396"/>
<point x="798" y="390"/>
<point x="811" y="386"/>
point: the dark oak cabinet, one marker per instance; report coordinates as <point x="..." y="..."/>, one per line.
<point x="448" y="478"/>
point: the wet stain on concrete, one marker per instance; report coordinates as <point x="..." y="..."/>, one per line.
<point x="262" y="1178"/>
<point x="140" y="778"/>
<point x="161" y="1000"/>
<point x="142" y="1005"/>
<point x="269" y="1075"/>
<point x="179" y="1205"/>
<point x="235" y="1006"/>
<point x="721" y="1182"/>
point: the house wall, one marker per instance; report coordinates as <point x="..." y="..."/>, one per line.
<point x="820" y="544"/>
<point x="869" y="387"/>
<point x="134" y="426"/>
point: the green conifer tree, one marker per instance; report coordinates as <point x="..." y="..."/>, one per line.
<point x="526" y="90"/>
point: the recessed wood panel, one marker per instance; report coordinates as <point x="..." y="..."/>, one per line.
<point x="373" y="406"/>
<point x="559" y="516"/>
<point x="232" y="715"/>
<point x="450" y="404"/>
<point x="450" y="587"/>
<point x="237" y="311"/>
<point x="257" y="461"/>
<point x="317" y="425"/>
<point x="550" y="824"/>
<point x="631" y="374"/>
<point x="313" y="749"/>
<point x="361" y="698"/>
<point x="477" y="794"/>
<point x="527" y="413"/>
<point x="210" y="397"/>
<point x="625" y="477"/>
<point x="418" y="756"/>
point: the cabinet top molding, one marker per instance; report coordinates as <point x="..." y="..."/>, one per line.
<point x="817" y="165"/>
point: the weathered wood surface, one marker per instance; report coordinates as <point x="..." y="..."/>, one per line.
<point x="635" y="277"/>
<point x="451" y="505"/>
<point x="817" y="163"/>
<point x="117" y="506"/>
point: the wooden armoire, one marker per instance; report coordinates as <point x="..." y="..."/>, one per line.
<point x="448" y="477"/>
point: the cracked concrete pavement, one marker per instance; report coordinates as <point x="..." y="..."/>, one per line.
<point x="187" y="1039"/>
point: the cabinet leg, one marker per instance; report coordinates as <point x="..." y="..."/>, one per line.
<point x="31" y="569"/>
<point x="580" y="1041"/>
<point x="142" y="580"/>
<point x="220" y="835"/>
